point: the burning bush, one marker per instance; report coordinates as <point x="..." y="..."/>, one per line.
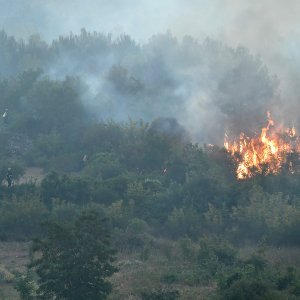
<point x="276" y="147"/>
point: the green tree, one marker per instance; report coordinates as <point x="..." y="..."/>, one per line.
<point x="73" y="262"/>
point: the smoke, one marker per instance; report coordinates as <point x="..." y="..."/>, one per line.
<point x="208" y="86"/>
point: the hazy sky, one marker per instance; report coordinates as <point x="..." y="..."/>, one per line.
<point x="256" y="22"/>
<point x="269" y="28"/>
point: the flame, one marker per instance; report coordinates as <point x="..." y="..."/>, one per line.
<point x="266" y="153"/>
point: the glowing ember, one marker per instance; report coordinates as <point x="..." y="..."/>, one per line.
<point x="264" y="154"/>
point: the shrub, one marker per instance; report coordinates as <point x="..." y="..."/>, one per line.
<point x="184" y="221"/>
<point x="187" y="248"/>
<point x="275" y="216"/>
<point x="214" y="257"/>
<point x="169" y="278"/>
<point x="160" y="294"/>
<point x="137" y="226"/>
<point x="247" y="289"/>
<point x="103" y="165"/>
<point x="5" y="275"/>
<point x="20" y="218"/>
<point x="25" y="285"/>
<point x="63" y="211"/>
<point x="71" y="189"/>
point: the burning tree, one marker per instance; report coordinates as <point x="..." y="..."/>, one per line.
<point x="274" y="149"/>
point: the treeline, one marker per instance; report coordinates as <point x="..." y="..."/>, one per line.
<point x="148" y="174"/>
<point x="150" y="170"/>
<point x="192" y="81"/>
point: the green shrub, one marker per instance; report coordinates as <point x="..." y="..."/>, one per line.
<point x="63" y="211"/>
<point x="71" y="189"/>
<point x="169" y="278"/>
<point x="187" y="248"/>
<point x="247" y="289"/>
<point x="5" y="275"/>
<point x="103" y="165"/>
<point x="137" y="226"/>
<point x="273" y="216"/>
<point x="160" y="294"/>
<point x="184" y="221"/>
<point x="20" y="218"/>
<point x="26" y="286"/>
<point x="145" y="254"/>
<point x="289" y="280"/>
<point x="216" y="248"/>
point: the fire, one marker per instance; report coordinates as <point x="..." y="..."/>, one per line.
<point x="266" y="153"/>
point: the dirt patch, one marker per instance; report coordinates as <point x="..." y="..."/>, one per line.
<point x="32" y="174"/>
<point x="14" y="255"/>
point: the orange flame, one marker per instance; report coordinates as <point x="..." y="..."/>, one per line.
<point x="264" y="154"/>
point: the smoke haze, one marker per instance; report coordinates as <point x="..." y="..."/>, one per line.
<point x="223" y="86"/>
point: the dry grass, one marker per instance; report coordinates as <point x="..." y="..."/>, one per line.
<point x="14" y="257"/>
<point x="32" y="174"/>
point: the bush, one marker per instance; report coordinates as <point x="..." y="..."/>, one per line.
<point x="289" y="280"/>
<point x="160" y="294"/>
<point x="187" y="248"/>
<point x="255" y="278"/>
<point x="20" y="218"/>
<point x="216" y="250"/>
<point x="137" y="226"/>
<point x="169" y="278"/>
<point x="103" y="166"/>
<point x="26" y="286"/>
<point x="63" y="211"/>
<point x="184" y="221"/>
<point x="71" y="189"/>
<point x="5" y="275"/>
<point x="274" y="216"/>
<point x="247" y="289"/>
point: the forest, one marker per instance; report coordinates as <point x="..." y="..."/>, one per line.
<point x="135" y="177"/>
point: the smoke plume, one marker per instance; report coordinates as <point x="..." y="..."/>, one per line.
<point x="227" y="82"/>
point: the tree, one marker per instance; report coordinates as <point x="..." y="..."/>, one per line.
<point x="73" y="262"/>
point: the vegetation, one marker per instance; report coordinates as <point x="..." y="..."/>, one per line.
<point x="175" y="212"/>
<point x="73" y="263"/>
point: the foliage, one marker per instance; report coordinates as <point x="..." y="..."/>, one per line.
<point x="103" y="165"/>
<point x="184" y="221"/>
<point x="25" y="285"/>
<point x="71" y="189"/>
<point x="275" y="216"/>
<point x="256" y="278"/>
<point x="214" y="256"/>
<point x="248" y="289"/>
<point x="20" y="217"/>
<point x="161" y="295"/>
<point x="74" y="262"/>
<point x="5" y="275"/>
<point x="145" y="176"/>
